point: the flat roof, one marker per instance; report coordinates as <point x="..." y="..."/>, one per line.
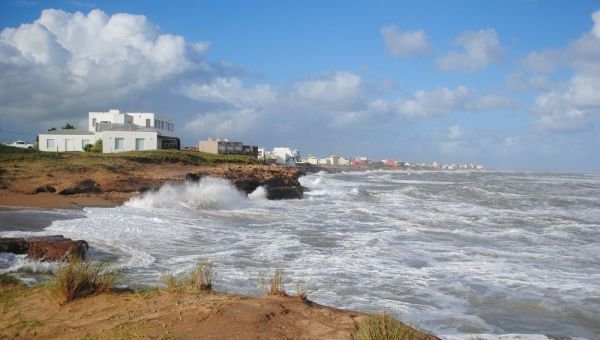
<point x="68" y="132"/>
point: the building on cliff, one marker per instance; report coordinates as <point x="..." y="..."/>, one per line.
<point x="119" y="131"/>
<point x="225" y="147"/>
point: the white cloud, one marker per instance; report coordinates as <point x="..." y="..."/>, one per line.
<point x="224" y="124"/>
<point x="63" y="64"/>
<point x="596" y="27"/>
<point x="520" y="82"/>
<point x="569" y="109"/>
<point x="542" y="62"/>
<point x="340" y="90"/>
<point x="443" y="101"/>
<point x="480" y="48"/>
<point x="455" y="132"/>
<point x="404" y="44"/>
<point x="572" y="105"/>
<point x="231" y="91"/>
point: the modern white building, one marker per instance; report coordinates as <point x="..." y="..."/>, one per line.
<point x="311" y="160"/>
<point x="119" y="132"/>
<point x="286" y="156"/>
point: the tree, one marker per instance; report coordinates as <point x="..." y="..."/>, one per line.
<point x="88" y="148"/>
<point x="68" y="127"/>
<point x="52" y="129"/>
<point x="97" y="146"/>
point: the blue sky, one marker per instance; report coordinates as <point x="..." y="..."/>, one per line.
<point x="508" y="84"/>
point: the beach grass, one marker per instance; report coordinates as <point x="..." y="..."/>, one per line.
<point x="384" y="327"/>
<point x="203" y="276"/>
<point x="79" y="278"/>
<point x="274" y="285"/>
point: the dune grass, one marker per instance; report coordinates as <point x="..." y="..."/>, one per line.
<point x="384" y="327"/>
<point x="79" y="278"/>
<point x="203" y="275"/>
<point x="274" y="285"/>
<point x="201" y="278"/>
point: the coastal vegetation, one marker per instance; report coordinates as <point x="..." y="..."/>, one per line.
<point x="13" y="154"/>
<point x="384" y="327"/>
<point x="90" y="307"/>
<point x="274" y="285"/>
<point x="79" y="278"/>
<point x="200" y="279"/>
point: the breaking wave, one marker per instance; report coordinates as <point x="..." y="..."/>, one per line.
<point x="208" y="193"/>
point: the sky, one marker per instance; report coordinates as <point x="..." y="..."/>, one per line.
<point x="510" y="84"/>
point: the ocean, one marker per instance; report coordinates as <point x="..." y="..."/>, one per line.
<point x="499" y="255"/>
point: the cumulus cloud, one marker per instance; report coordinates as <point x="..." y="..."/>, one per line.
<point x="232" y="124"/>
<point x="404" y="44"/>
<point x="572" y="105"/>
<point x="443" y="101"/>
<point x="426" y="105"/>
<point x="340" y="90"/>
<point x="480" y="48"/>
<point x="569" y="109"/>
<point x="63" y="64"/>
<point x="519" y="81"/>
<point x="232" y="91"/>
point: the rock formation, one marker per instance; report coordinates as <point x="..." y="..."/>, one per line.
<point x="45" y="248"/>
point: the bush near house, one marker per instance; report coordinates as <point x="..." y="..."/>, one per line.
<point x="97" y="146"/>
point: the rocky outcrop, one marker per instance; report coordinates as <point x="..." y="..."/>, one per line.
<point x="87" y="186"/>
<point x="279" y="182"/>
<point x="45" y="248"/>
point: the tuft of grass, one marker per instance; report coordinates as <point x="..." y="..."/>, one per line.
<point x="8" y="280"/>
<point x="384" y="327"/>
<point x="78" y="278"/>
<point x="172" y="283"/>
<point x="274" y="285"/>
<point x="202" y="277"/>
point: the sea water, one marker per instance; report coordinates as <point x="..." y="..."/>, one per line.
<point x="507" y="255"/>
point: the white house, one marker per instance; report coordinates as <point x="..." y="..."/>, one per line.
<point x="311" y="160"/>
<point x="119" y="132"/>
<point x="286" y="156"/>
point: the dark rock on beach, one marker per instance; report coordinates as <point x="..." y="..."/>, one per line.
<point x="86" y="186"/>
<point x="45" y="188"/>
<point x="45" y="248"/>
<point x="285" y="192"/>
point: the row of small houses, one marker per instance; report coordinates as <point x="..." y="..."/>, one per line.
<point x="121" y="131"/>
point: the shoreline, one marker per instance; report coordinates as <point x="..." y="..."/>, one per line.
<point x="15" y="200"/>
<point x="175" y="313"/>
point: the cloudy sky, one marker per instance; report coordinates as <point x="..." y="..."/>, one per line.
<point x="512" y="84"/>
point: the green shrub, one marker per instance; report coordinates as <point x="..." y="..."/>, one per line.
<point x="385" y="327"/>
<point x="97" y="146"/>
<point x="78" y="278"/>
<point x="88" y="148"/>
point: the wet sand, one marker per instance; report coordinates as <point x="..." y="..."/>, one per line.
<point x="32" y="219"/>
<point x="49" y="201"/>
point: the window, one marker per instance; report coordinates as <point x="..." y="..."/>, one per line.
<point x="50" y="144"/>
<point x="119" y="143"/>
<point x="139" y="143"/>
<point x="85" y="142"/>
<point x="148" y="122"/>
<point x="94" y="122"/>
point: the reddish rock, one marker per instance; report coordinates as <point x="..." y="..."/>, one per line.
<point x="45" y="248"/>
<point x="86" y="186"/>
